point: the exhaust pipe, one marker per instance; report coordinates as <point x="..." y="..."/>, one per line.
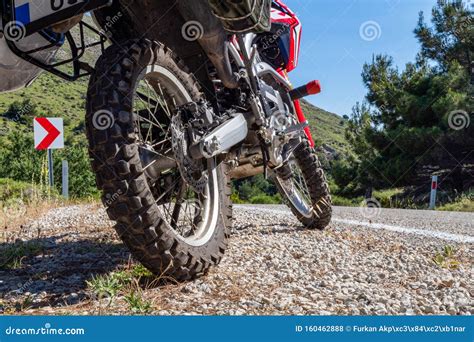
<point x="246" y="170"/>
<point x="220" y="140"/>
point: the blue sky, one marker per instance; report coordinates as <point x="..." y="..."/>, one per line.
<point x="334" y="52"/>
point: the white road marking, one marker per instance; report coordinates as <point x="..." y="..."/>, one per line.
<point x="377" y="226"/>
<point x="406" y="230"/>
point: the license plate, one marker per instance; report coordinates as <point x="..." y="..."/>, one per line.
<point x="29" y="12"/>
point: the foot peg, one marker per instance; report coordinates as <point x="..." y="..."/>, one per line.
<point x="312" y="88"/>
<point x="297" y="129"/>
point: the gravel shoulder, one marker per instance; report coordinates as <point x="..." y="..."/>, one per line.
<point x="272" y="267"/>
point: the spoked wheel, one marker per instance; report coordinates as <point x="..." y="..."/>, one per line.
<point x="174" y="227"/>
<point x="191" y="214"/>
<point x="303" y="184"/>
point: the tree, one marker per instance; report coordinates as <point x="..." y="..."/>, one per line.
<point x="19" y="160"/>
<point x="418" y="117"/>
<point x="451" y="37"/>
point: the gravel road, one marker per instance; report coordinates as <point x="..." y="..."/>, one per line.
<point x="366" y="263"/>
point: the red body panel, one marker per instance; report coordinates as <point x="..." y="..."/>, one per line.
<point x="288" y="17"/>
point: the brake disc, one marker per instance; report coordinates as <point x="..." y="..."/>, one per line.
<point x="192" y="170"/>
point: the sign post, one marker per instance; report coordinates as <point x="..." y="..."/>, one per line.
<point x="49" y="135"/>
<point x="50" y="168"/>
<point x="434" y="189"/>
<point x="65" y="179"/>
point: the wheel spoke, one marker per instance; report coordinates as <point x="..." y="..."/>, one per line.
<point x="152" y="123"/>
<point x="296" y="189"/>
<point x="154" y="105"/>
<point x="167" y="110"/>
<point x="144" y="98"/>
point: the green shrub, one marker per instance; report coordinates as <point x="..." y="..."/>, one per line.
<point x="81" y="178"/>
<point x="21" y="112"/>
<point x="20" y="162"/>
<point x="465" y="203"/>
<point x="388" y="197"/>
<point x="27" y="192"/>
<point x="254" y="187"/>
<point x="346" y="202"/>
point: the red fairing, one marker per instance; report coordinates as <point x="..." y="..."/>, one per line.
<point x="286" y="16"/>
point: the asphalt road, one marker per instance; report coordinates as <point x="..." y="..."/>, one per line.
<point x="449" y="226"/>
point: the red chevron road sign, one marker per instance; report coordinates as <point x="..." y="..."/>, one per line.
<point x="49" y="133"/>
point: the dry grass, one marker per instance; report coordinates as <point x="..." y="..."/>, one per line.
<point x="447" y="258"/>
<point x="14" y="218"/>
<point x="15" y="215"/>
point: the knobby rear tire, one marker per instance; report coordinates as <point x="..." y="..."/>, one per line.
<point x="119" y="170"/>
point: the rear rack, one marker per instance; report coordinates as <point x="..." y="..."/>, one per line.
<point x="80" y="68"/>
<point x="77" y="47"/>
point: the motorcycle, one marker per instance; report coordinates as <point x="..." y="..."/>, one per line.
<point x="186" y="97"/>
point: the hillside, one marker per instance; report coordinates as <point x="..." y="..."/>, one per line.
<point x="52" y="97"/>
<point x="327" y="128"/>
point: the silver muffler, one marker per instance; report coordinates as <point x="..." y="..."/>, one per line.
<point x="221" y="139"/>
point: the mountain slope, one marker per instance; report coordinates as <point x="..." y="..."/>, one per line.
<point x="327" y="128"/>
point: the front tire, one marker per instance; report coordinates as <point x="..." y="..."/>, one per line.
<point x="145" y="207"/>
<point x="302" y="182"/>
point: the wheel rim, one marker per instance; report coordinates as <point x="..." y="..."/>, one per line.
<point x="296" y="190"/>
<point x="192" y="216"/>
